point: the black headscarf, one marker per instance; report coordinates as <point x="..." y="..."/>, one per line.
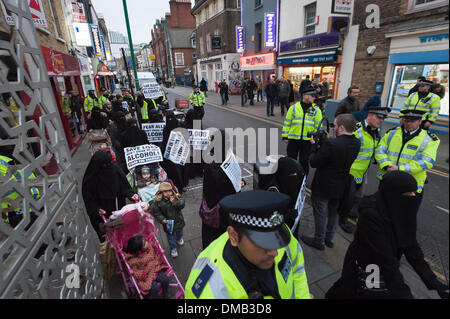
<point x="101" y="171"/>
<point x="400" y="210"/>
<point x="134" y="136"/>
<point x="216" y="184"/>
<point x="97" y="120"/>
<point x="171" y="124"/>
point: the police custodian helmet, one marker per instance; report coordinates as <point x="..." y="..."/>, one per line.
<point x="261" y="215"/>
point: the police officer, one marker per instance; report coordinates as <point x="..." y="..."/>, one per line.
<point x="409" y="149"/>
<point x="197" y="100"/>
<point x="90" y="102"/>
<point x="424" y="100"/>
<point x="258" y="257"/>
<point x="369" y="134"/>
<point x="301" y="119"/>
<point x="103" y="97"/>
<point x="144" y="104"/>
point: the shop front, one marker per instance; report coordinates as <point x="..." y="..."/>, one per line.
<point x="218" y="68"/>
<point x="259" y="66"/>
<point x="104" y="78"/>
<point x="418" y="51"/>
<point x="65" y="77"/>
<point x="314" y="56"/>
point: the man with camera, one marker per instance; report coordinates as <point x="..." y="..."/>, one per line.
<point x="333" y="159"/>
<point x="302" y="120"/>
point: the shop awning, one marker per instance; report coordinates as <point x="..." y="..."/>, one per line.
<point x="105" y="73"/>
<point x="318" y="57"/>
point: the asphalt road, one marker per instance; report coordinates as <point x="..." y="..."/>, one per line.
<point x="433" y="219"/>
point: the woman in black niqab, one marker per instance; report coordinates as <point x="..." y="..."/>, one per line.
<point x="385" y="232"/>
<point x="105" y="187"/>
<point x="216" y="186"/>
<point x="97" y="120"/>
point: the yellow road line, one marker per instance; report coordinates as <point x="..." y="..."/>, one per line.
<point x="436" y="172"/>
<point x="438" y="274"/>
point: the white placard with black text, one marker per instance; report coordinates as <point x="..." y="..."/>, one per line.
<point x="151" y="90"/>
<point x="142" y="155"/>
<point x="177" y="149"/>
<point x="199" y="139"/>
<point x="233" y="170"/>
<point x="154" y="131"/>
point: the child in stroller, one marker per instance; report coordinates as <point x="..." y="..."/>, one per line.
<point x="148" y="181"/>
<point x="148" y="268"/>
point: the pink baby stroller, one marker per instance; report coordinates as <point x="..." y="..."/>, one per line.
<point x="133" y="224"/>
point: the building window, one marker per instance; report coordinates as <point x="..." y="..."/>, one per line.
<point x="202" y="49"/>
<point x="258" y="3"/>
<point x="179" y="58"/>
<point x="238" y="4"/>
<point x="258" y="33"/>
<point x="55" y="18"/>
<point x="216" y="7"/>
<point x="193" y="42"/>
<point x="419" y="5"/>
<point x="218" y="67"/>
<point x="310" y="19"/>
<point x="208" y="42"/>
<point x="207" y="12"/>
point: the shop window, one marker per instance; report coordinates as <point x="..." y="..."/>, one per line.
<point x="405" y="78"/>
<point x="258" y="33"/>
<point x="310" y="19"/>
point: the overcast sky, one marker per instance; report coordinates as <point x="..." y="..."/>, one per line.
<point x="142" y="15"/>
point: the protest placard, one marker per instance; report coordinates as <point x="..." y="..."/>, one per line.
<point x="199" y="139"/>
<point x="141" y="155"/>
<point x="151" y="90"/>
<point x="177" y="150"/>
<point x="233" y="171"/>
<point x="300" y="203"/>
<point x="154" y="131"/>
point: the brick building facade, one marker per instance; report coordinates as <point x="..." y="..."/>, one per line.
<point x="411" y="40"/>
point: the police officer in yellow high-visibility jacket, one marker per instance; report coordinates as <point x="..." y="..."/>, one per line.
<point x="424" y="100"/>
<point x="103" y="98"/>
<point x="257" y="258"/>
<point x="197" y="99"/>
<point x="302" y="119"/>
<point x="13" y="215"/>
<point x="90" y="102"/>
<point x="409" y="149"/>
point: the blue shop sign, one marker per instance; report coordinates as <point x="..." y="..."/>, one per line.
<point x="308" y="59"/>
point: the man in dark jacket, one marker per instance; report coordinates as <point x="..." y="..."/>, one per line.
<point x="284" y="90"/>
<point x="243" y="92"/>
<point x="271" y="92"/>
<point x="416" y="87"/>
<point x="386" y="231"/>
<point x="333" y="159"/>
<point x="350" y="104"/>
<point x="251" y="87"/>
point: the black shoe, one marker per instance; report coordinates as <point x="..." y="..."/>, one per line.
<point x="329" y="243"/>
<point x="272" y="114"/>
<point x="312" y="243"/>
<point x="353" y="214"/>
<point x="347" y="226"/>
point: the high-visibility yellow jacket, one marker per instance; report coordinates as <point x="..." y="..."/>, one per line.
<point x="369" y="144"/>
<point x="197" y="99"/>
<point x="297" y="125"/>
<point x="415" y="157"/>
<point x="101" y="101"/>
<point x="90" y="103"/>
<point x="66" y="106"/>
<point x="431" y="104"/>
<point x="12" y="194"/>
<point x="144" y="109"/>
<point x="222" y="283"/>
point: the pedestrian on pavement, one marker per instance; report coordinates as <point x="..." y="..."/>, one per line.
<point x="409" y="149"/>
<point x="350" y="104"/>
<point x="305" y="84"/>
<point x="426" y="101"/>
<point x="105" y="187"/>
<point x="133" y="135"/>
<point x="98" y="121"/>
<point x="104" y="96"/>
<point x="271" y="92"/>
<point x="259" y="87"/>
<point x="325" y="88"/>
<point x="284" y="90"/>
<point x="291" y="94"/>
<point x="216" y="186"/>
<point x="204" y="87"/>
<point x="320" y="98"/>
<point x="76" y="105"/>
<point x="369" y="134"/>
<point x="251" y="87"/>
<point x="115" y="130"/>
<point x="302" y="120"/>
<point x="197" y="100"/>
<point x="385" y="232"/>
<point x="244" y="91"/>
<point x="333" y="159"/>
<point x="223" y="92"/>
<point x="167" y="210"/>
<point x="90" y="102"/>
<point x="439" y="90"/>
<point x="256" y="258"/>
<point x="416" y="87"/>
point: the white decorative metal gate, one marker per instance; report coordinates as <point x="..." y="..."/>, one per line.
<point x="45" y="234"/>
